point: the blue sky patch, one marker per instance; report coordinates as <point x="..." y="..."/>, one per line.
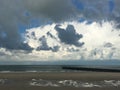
<point x="111" y="5"/>
<point x="79" y="5"/>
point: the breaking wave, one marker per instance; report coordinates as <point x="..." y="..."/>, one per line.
<point x="3" y="81"/>
<point x="74" y="83"/>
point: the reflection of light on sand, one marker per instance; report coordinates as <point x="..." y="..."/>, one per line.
<point x="74" y="83"/>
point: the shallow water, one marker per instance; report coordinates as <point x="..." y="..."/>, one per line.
<point x="74" y="83"/>
<point x="66" y="83"/>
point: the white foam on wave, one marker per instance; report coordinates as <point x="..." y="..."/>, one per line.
<point x="74" y="83"/>
<point x="112" y="82"/>
<point x="43" y="83"/>
<point x="2" y="81"/>
<point x="5" y="71"/>
<point x="32" y="71"/>
<point x="90" y="85"/>
<point x="68" y="83"/>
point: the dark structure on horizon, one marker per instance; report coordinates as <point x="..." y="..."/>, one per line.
<point x="90" y="69"/>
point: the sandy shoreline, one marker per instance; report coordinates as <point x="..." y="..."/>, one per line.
<point x="20" y="80"/>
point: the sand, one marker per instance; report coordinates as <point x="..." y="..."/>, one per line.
<point x="20" y="80"/>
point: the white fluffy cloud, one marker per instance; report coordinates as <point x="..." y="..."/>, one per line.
<point x="101" y="42"/>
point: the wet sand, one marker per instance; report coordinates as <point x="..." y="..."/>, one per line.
<point x="20" y="80"/>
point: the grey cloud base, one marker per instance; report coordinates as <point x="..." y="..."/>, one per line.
<point x="69" y="36"/>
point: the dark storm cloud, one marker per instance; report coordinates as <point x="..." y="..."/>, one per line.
<point x="69" y="35"/>
<point x="108" y="45"/>
<point x="44" y="45"/>
<point x="14" y="12"/>
<point x="56" y="10"/>
<point x="9" y="19"/>
<point x="61" y="10"/>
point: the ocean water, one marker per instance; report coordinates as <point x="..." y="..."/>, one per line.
<point x="30" y="68"/>
<point x="41" y="82"/>
<point x="50" y="68"/>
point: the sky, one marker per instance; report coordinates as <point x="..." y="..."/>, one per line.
<point x="59" y="30"/>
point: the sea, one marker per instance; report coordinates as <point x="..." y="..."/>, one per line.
<point x="48" y="68"/>
<point x="30" y="68"/>
<point x="52" y="68"/>
<point x="57" y="83"/>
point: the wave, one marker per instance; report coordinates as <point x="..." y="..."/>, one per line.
<point x="74" y="83"/>
<point x="2" y="81"/>
<point x="6" y="71"/>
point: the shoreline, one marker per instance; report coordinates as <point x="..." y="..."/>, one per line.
<point x="62" y="75"/>
<point x="20" y="80"/>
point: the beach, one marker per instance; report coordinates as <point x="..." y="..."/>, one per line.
<point x="59" y="81"/>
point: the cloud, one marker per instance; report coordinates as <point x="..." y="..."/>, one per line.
<point x="16" y="12"/>
<point x="69" y="35"/>
<point x="44" y="46"/>
<point x="106" y="45"/>
<point x="13" y="13"/>
<point x="10" y="17"/>
<point x="51" y="9"/>
<point x="66" y="10"/>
